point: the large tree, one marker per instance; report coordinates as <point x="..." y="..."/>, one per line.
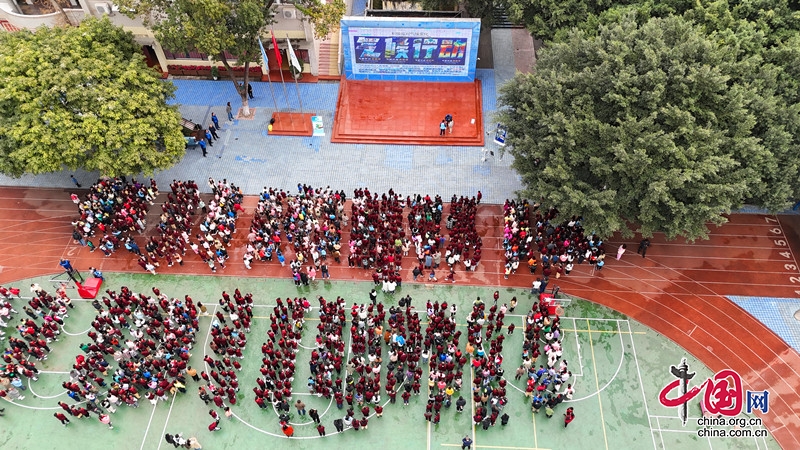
<point x="224" y="27"/>
<point x="545" y="18"/>
<point x="82" y="97"/>
<point x="643" y="128"/>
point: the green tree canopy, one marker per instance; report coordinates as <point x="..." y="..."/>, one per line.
<point x="653" y="126"/>
<point x="545" y="18"/>
<point x="82" y="97"/>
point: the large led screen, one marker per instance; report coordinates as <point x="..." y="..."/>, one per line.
<point x="409" y="50"/>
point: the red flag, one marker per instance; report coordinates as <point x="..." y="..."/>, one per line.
<point x="277" y="52"/>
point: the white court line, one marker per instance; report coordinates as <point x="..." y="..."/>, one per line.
<point x="429" y="433"/>
<point x="52" y="371"/>
<point x="30" y="388"/>
<point x="658" y="424"/>
<point x="166" y="422"/>
<point x="594" y="318"/>
<point x="147" y="430"/>
<point x="208" y="334"/>
<point x="641" y="385"/>
<point x="578" y="346"/>
<point x="74" y="334"/>
<point x="472" y="402"/>
<point x="614" y="377"/>
<point x="34" y="407"/>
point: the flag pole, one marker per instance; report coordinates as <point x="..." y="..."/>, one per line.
<point x="292" y="58"/>
<point x="266" y="63"/>
<point x="283" y="82"/>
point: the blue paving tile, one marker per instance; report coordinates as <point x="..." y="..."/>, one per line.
<point x="489" y="92"/>
<point x="254" y="159"/>
<point x="312" y="143"/>
<point x="750" y="209"/>
<point x="443" y="158"/>
<point x="776" y="313"/>
<point x="315" y="96"/>
<point x="399" y="157"/>
<point x="482" y="169"/>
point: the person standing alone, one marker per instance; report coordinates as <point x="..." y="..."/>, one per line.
<point x="643" y="247"/>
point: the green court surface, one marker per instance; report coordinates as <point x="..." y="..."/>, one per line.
<point x="618" y="366"/>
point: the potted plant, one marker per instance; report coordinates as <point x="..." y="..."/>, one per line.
<point x="214" y="73"/>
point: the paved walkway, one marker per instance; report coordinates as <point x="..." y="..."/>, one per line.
<point x="250" y="158"/>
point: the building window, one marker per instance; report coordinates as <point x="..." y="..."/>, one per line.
<point x="303" y="55"/>
<point x="180" y="54"/>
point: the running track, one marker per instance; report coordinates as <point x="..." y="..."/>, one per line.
<point x="677" y="290"/>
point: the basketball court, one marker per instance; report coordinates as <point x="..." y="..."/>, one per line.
<point x="618" y="367"/>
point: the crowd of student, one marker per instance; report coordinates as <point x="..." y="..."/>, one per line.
<point x="445" y="361"/>
<point x="464" y="245"/>
<point x="274" y="386"/>
<point x="34" y="335"/>
<point x="376" y="234"/>
<point x="489" y="386"/>
<point x="399" y="330"/>
<point x="543" y="385"/>
<point x="148" y="338"/>
<point x="310" y="221"/>
<point x="153" y="361"/>
<point x="328" y="356"/>
<point x="219" y="224"/>
<point x="228" y="342"/>
<point x="175" y="225"/>
<point x="112" y="210"/>
<point x="528" y="232"/>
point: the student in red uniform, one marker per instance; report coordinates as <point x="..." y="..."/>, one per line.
<point x="569" y="416"/>
<point x="61" y="417"/>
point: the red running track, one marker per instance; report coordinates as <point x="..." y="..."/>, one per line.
<point x="677" y="290"/>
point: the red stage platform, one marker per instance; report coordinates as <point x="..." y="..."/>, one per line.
<point x="292" y="124"/>
<point x="401" y="112"/>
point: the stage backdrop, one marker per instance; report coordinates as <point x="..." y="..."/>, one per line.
<point x="392" y="48"/>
